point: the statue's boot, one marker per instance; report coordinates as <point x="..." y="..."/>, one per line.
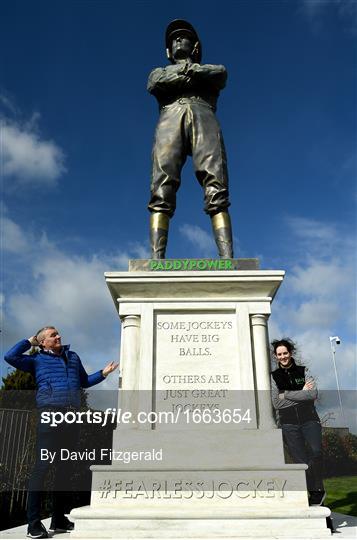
<point x="159" y="230"/>
<point x="222" y="230"/>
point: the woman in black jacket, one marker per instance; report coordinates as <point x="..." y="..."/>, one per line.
<point x="294" y="393"/>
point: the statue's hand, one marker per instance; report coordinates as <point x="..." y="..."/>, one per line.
<point x="175" y="68"/>
<point x="191" y="69"/>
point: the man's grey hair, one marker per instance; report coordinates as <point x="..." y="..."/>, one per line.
<point x="39" y="334"/>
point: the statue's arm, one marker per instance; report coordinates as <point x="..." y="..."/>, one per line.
<point x="167" y="79"/>
<point x="213" y="74"/>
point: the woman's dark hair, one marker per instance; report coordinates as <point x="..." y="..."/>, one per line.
<point x="284" y="342"/>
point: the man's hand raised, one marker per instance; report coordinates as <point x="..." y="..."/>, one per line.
<point x="33" y="341"/>
<point x="109" y="368"/>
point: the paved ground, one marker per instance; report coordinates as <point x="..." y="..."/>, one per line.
<point x="346" y="528"/>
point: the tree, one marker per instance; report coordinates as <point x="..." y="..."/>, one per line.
<point x="18" y="391"/>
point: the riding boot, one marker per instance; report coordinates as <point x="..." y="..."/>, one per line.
<point x="159" y="229"/>
<point x="222" y="230"/>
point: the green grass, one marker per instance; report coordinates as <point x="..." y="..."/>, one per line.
<point x="342" y="494"/>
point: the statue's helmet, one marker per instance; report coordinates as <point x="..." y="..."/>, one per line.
<point x="179" y="26"/>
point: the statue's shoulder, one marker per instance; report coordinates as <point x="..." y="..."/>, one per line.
<point x="156" y="70"/>
<point x="217" y="67"/>
<point x="162" y="68"/>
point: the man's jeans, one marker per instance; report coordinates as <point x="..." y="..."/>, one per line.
<point x="304" y="442"/>
<point x="51" y="439"/>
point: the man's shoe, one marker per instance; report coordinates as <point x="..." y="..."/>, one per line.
<point x="61" y="525"/>
<point x="317" y="497"/>
<point x="37" y="530"/>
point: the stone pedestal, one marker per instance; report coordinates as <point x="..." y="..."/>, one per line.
<point x="208" y="458"/>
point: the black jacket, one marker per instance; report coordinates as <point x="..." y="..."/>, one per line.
<point x="297" y="407"/>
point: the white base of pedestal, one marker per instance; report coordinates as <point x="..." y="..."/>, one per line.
<point x="233" y="503"/>
<point x="283" y="524"/>
<point x="272" y="504"/>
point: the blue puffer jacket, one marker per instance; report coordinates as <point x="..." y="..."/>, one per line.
<point x="58" y="381"/>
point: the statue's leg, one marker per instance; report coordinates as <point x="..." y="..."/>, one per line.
<point x="168" y="157"/>
<point x="210" y="162"/>
<point x="222" y="231"/>
<point x="159" y="230"/>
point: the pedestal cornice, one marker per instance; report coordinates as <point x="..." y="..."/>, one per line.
<point x="234" y="286"/>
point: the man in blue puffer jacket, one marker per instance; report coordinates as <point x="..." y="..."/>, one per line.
<point x="59" y="376"/>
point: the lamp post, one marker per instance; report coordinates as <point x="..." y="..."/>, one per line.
<point x="335" y="340"/>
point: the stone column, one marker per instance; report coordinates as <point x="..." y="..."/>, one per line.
<point x="262" y="372"/>
<point x="129" y="362"/>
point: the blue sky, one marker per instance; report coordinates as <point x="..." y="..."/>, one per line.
<point x="76" y="134"/>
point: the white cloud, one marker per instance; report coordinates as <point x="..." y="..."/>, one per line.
<point x="316" y="314"/>
<point x="12" y="237"/>
<point x="311" y="229"/>
<point x="67" y="291"/>
<point x="7" y="102"/>
<point x="28" y="158"/>
<point x="322" y="282"/>
<point x="2" y="302"/>
<point x="139" y="251"/>
<point x="319" y="239"/>
<point x="315" y="352"/>
<point x="322" y="278"/>
<point x="70" y="293"/>
<point x="313" y="8"/>
<point x="199" y="238"/>
<point x="347" y="10"/>
<point x="315" y="11"/>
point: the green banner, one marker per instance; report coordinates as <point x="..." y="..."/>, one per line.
<point x="184" y="265"/>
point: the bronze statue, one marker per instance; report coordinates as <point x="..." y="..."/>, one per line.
<point x="187" y="93"/>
